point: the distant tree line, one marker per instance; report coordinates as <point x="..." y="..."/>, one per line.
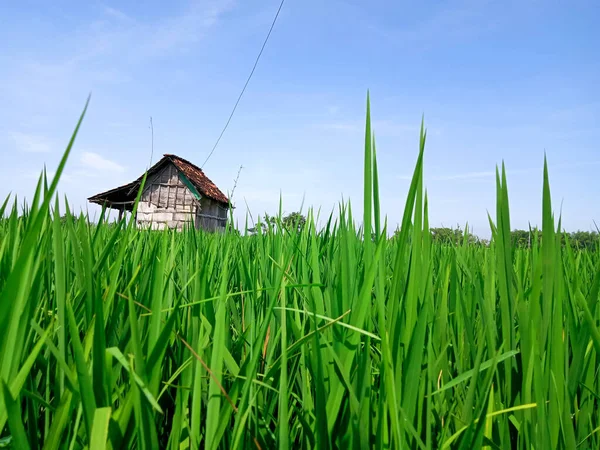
<point x="295" y="222"/>
<point x="577" y="239"/>
<point x="519" y="238"/>
<point x="452" y="236"/>
<point x="584" y="239"/>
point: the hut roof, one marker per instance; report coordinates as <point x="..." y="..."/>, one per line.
<point x="124" y="196"/>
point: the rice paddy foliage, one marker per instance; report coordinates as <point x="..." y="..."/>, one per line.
<point x="114" y="337"/>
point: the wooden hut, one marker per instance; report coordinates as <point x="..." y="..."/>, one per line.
<point x="176" y="192"/>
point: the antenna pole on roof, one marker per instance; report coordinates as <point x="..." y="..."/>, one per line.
<point x="152" y="144"/>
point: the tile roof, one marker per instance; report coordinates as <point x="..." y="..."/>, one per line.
<point x="126" y="194"/>
<point x="195" y="174"/>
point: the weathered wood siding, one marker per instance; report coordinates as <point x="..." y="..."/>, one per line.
<point x="166" y="202"/>
<point x="212" y="216"/>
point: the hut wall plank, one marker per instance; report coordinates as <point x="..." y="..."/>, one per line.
<point x="168" y="203"/>
<point x="210" y="217"/>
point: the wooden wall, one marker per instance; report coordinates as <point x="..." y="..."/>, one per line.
<point x="166" y="201"/>
<point x="212" y="216"/>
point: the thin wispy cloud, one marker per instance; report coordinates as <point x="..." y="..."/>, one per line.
<point x="97" y="162"/>
<point x="457" y="21"/>
<point x="33" y="175"/>
<point x="30" y="143"/>
<point x="491" y="174"/>
<point x="341" y="126"/>
<point x="387" y="127"/>
<point x="112" y="43"/>
<point x="116" y="13"/>
<point x="123" y="35"/>
<point x="465" y="176"/>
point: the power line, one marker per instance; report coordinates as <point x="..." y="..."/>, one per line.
<point x="152" y="148"/>
<point x="246" y="84"/>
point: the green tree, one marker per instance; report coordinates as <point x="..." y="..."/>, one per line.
<point x="445" y="235"/>
<point x="584" y="239"/>
<point x="520" y="238"/>
<point x="294" y="222"/>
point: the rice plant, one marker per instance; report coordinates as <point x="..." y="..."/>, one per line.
<point x="114" y="337"/>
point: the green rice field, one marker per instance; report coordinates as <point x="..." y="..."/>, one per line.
<point x="113" y="337"/>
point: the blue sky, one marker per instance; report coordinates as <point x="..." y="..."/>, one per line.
<point x="496" y="80"/>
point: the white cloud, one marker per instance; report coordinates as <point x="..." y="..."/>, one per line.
<point x="30" y="143"/>
<point x="126" y="36"/>
<point x="491" y="174"/>
<point x="104" y="51"/>
<point x="95" y="161"/>
<point x="35" y="175"/>
<point x="386" y="127"/>
<point x="465" y="176"/>
<point x="116" y="13"/>
<point x="342" y="126"/>
<point x="450" y="22"/>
